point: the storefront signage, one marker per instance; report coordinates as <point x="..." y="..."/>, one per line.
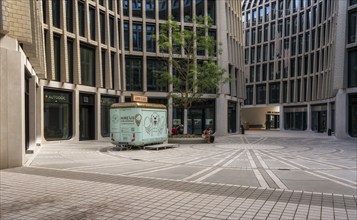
<point x="56" y="97"/>
<point x="138" y="98"/>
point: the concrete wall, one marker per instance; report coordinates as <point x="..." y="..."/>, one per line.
<point x="12" y="99"/>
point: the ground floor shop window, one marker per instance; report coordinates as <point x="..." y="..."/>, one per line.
<point x="57" y="115"/>
<point x="352" y="115"/>
<point x="200" y="116"/>
<point x="319" y="118"/>
<point x="295" y="118"/>
<point x="106" y="102"/>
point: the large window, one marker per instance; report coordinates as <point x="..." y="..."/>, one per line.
<point x="69" y="15"/>
<point x="249" y="99"/>
<point x="200" y="8"/>
<point x="150" y="42"/>
<point x="70" y="60"/>
<point x="163" y="10"/>
<point x="134" y="74"/>
<point x="87" y="65"/>
<point x="150" y="9"/>
<point x="56" y="13"/>
<point x="81" y="18"/>
<point x="274" y="93"/>
<point x="137" y="36"/>
<point x="126" y="35"/>
<point x="106" y="102"/>
<point x="352" y="26"/>
<point x="175" y="10"/>
<point x="137" y="8"/>
<point x="92" y="26"/>
<point x="103" y="68"/>
<point x="126" y="7"/>
<point x="102" y="27"/>
<point x="112" y="62"/>
<point x="111" y="27"/>
<point x="211" y="10"/>
<point x="57" y="115"/>
<point x="57" y="56"/>
<point x="154" y="81"/>
<point x="352" y="68"/>
<point x="261" y="94"/>
<point x="188" y="10"/>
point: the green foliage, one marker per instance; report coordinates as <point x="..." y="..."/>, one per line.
<point x="192" y="75"/>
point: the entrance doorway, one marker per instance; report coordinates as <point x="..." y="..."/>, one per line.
<point x="86" y="117"/>
<point x="272" y="121"/>
<point x="27" y="111"/>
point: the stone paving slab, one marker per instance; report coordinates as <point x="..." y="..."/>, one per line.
<point x="37" y="193"/>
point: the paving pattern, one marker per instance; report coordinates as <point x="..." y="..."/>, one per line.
<point x="261" y="175"/>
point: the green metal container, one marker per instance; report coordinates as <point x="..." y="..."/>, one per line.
<point x="138" y="124"/>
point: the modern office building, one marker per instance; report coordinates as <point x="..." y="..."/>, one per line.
<point x="300" y="58"/>
<point x="64" y="62"/>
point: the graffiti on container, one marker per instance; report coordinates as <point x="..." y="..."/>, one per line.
<point x="154" y="124"/>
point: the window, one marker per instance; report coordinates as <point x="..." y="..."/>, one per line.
<point x="137" y="37"/>
<point x="274" y="93"/>
<point x="352" y="68"/>
<point x="267" y="11"/>
<point x="154" y="81"/>
<point x="187" y="10"/>
<point x="70" y="60"/>
<point x="136" y="8"/>
<point x="111" y="26"/>
<point x="247" y="38"/>
<point x="126" y="35"/>
<point x="352" y="26"/>
<point x="257" y="74"/>
<point x="266" y="31"/>
<point x="264" y="72"/>
<point x="287" y="27"/>
<point x="294" y="24"/>
<point x="103" y="68"/>
<point x="150" y="42"/>
<point x="251" y="74"/>
<point x="301" y="24"/>
<point x="81" y="18"/>
<point x="292" y="67"/>
<point x="150" y="9"/>
<point x="101" y="2"/>
<point x="57" y="115"/>
<point x="69" y="15"/>
<point x="175" y="10"/>
<point x="287" y="7"/>
<point x="126" y="7"/>
<point x="102" y="27"/>
<point x="260" y="33"/>
<point x="265" y="52"/>
<point x="252" y="55"/>
<point x="119" y="35"/>
<point x="260" y="15"/>
<point x="200" y="8"/>
<point x="118" y="6"/>
<point x="353" y="2"/>
<point x="87" y="65"/>
<point x="44" y="11"/>
<point x="163" y="11"/>
<point x="110" y="5"/>
<point x="253" y="35"/>
<point x="300" y="42"/>
<point x="273" y="10"/>
<point x="56" y="14"/>
<point x="272" y="31"/>
<point x="112" y="62"/>
<point x="272" y="52"/>
<point x="133" y="71"/>
<point x="259" y="51"/>
<point x="261" y="93"/>
<point x="92" y="23"/>
<point x="105" y="103"/>
<point x="57" y="56"/>
<point x="271" y="71"/>
<point x="249" y="99"/>
<point x="211" y="10"/>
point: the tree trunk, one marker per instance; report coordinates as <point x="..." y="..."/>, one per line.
<point x="185" y="120"/>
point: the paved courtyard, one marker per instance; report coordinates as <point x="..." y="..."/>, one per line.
<point x="260" y="175"/>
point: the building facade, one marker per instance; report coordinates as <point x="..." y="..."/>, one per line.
<point x="299" y="62"/>
<point x="84" y="55"/>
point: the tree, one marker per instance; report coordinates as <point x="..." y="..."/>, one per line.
<point x="192" y="53"/>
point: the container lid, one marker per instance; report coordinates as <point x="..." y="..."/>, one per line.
<point x="137" y="105"/>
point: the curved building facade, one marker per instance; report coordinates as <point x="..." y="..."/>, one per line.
<point x="293" y="67"/>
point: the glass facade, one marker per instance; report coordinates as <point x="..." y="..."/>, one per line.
<point x="57" y="115"/>
<point x="133" y="73"/>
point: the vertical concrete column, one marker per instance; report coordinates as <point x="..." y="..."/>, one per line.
<point x="328" y="115"/>
<point x="12" y="105"/>
<point x="98" y="109"/>
<point x="281" y="118"/>
<point x="39" y="109"/>
<point x="32" y="111"/>
<point x="309" y="117"/>
<point x="238" y="114"/>
<point x="341" y="129"/>
<point x="221" y="115"/>
<point x="169" y="114"/>
<point x="76" y="121"/>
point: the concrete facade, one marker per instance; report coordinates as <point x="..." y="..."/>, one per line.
<point x="46" y="45"/>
